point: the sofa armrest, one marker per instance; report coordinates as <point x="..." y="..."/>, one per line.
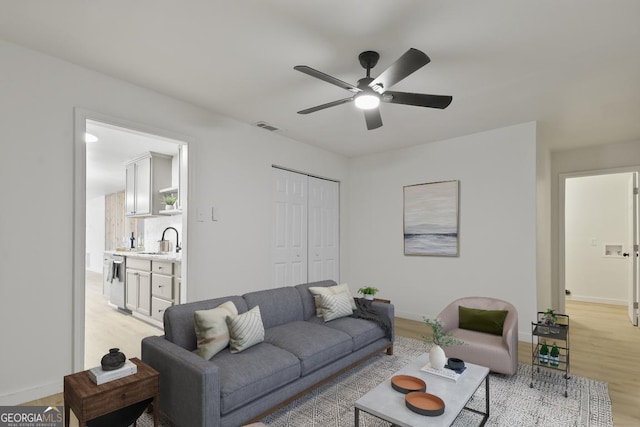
<point x="385" y="310"/>
<point x="189" y="385"/>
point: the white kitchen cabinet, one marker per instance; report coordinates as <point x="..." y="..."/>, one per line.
<point x="138" y="286"/>
<point x="164" y="289"/>
<point x="146" y="175"/>
<point x="152" y="286"/>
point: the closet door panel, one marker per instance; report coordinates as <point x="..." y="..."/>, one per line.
<point x="289" y="228"/>
<point x="324" y="234"/>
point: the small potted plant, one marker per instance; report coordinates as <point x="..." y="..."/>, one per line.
<point x="170" y="201"/>
<point x="439" y="338"/>
<point x="368" y="292"/>
<point x="549" y="317"/>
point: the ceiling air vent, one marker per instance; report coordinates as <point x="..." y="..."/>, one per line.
<point x="267" y="126"/>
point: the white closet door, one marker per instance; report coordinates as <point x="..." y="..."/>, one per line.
<point x="289" y="228"/>
<point x="324" y="234"/>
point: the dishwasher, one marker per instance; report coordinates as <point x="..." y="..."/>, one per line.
<point x="114" y="276"/>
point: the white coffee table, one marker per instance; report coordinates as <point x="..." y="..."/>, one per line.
<point x="387" y="404"/>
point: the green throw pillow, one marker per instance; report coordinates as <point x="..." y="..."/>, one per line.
<point x="475" y="319"/>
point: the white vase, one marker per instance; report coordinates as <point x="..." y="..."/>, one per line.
<point x="368" y="296"/>
<point x="437" y="358"/>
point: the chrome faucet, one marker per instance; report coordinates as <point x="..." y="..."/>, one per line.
<point x="177" y="239"/>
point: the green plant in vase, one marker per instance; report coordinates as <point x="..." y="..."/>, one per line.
<point x="368" y="292"/>
<point x="170" y="201"/>
<point x="550" y="318"/>
<point x="438" y="339"/>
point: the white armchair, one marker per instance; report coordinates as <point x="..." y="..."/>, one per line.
<point x="498" y="353"/>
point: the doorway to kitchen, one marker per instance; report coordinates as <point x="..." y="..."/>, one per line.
<point x="131" y="189"/>
<point x="599" y="238"/>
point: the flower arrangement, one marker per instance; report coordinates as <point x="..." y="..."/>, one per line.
<point x="439" y="337"/>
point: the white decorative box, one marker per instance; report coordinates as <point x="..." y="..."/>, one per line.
<point x="100" y="376"/>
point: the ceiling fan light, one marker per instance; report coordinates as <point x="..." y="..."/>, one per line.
<point x="367" y="101"/>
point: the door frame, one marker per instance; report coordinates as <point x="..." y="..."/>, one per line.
<point x="561" y="221"/>
<point x="81" y="116"/>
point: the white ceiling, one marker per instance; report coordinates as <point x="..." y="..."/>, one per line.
<point x="571" y="65"/>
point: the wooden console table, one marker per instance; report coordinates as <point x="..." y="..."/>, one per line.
<point x="88" y="400"/>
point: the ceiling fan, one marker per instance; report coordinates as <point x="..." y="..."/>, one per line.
<point x="369" y="92"/>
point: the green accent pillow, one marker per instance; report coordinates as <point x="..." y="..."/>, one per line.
<point x="475" y="319"/>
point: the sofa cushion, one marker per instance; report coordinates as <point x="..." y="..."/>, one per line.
<point x="253" y="373"/>
<point x="178" y="319"/>
<point x="308" y="303"/>
<point x="476" y="319"/>
<point x="315" y="345"/>
<point x="316" y="291"/>
<point x="211" y="328"/>
<point x="245" y="330"/>
<point x="277" y="306"/>
<point x="480" y="348"/>
<point x="362" y="332"/>
<point x="335" y="306"/>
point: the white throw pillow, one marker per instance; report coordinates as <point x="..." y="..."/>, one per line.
<point x="330" y="290"/>
<point x="245" y="330"/>
<point x="211" y="329"/>
<point x="335" y="306"/>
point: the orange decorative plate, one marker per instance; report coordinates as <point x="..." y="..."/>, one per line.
<point x="406" y="384"/>
<point x="424" y="403"/>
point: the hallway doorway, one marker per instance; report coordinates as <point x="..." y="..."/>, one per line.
<point x="103" y="226"/>
<point x="600" y="237"/>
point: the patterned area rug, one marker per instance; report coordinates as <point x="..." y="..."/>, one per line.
<point x="513" y="402"/>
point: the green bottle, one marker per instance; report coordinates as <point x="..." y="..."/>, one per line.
<point x="544" y="353"/>
<point x="555" y="356"/>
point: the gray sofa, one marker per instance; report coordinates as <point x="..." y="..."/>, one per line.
<point x="300" y="351"/>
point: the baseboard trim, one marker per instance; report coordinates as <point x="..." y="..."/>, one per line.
<point x="30" y="394"/>
<point x="596" y="300"/>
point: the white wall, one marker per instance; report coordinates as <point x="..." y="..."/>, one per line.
<point x="497" y="173"/>
<point x="603" y="157"/>
<point x="597" y="214"/>
<point x="230" y="167"/>
<point x="95" y="234"/>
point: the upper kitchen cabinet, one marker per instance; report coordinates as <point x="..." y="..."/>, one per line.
<point x="146" y="175"/>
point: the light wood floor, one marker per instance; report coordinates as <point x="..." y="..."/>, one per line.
<point x="604" y="346"/>
<point x="106" y="327"/>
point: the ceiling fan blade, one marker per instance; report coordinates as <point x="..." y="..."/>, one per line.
<point x="326" y="77"/>
<point x="412" y="60"/>
<point x="327" y="105"/>
<point x="417" y="99"/>
<point x="373" y="118"/>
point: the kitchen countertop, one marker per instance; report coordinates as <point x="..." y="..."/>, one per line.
<point x="161" y="256"/>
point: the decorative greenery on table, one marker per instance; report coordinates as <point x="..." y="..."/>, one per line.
<point x="550" y="317"/>
<point x="368" y="290"/>
<point x="439" y="336"/>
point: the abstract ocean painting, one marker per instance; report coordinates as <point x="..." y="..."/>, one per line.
<point x="431" y="219"/>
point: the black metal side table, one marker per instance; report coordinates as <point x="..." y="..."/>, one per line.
<point x="550" y="334"/>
